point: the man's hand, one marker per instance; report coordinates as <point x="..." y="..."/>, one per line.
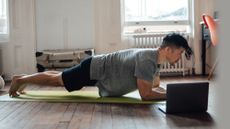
<point x="148" y="93"/>
<point x="159" y="90"/>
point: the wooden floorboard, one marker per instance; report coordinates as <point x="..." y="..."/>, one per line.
<point x="45" y="115"/>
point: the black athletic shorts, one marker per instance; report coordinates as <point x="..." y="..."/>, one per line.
<point x="78" y="76"/>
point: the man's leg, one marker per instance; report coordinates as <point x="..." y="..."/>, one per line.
<point x="51" y="78"/>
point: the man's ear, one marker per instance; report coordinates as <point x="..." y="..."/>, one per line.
<point x="168" y="49"/>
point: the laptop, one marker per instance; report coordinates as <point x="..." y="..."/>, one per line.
<point x="186" y="98"/>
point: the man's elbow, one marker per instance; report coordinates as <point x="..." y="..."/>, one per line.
<point x="146" y="97"/>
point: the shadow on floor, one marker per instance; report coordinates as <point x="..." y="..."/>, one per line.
<point x="190" y="120"/>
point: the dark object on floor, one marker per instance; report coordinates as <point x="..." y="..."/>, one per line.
<point x="186" y="98"/>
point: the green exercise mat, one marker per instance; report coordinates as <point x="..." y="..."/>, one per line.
<point x="77" y="96"/>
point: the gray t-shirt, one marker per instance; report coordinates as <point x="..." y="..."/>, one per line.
<point x="117" y="72"/>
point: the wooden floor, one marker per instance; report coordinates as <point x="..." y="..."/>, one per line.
<point x="44" y="115"/>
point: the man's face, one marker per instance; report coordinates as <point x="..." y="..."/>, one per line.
<point x="174" y="54"/>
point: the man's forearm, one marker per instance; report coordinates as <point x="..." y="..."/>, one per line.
<point x="148" y="92"/>
<point x="156" y="82"/>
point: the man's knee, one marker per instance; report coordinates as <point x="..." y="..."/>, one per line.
<point x="59" y="79"/>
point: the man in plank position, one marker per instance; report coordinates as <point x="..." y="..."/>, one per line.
<point x="115" y="74"/>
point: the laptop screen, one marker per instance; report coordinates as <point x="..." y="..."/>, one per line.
<point x="187" y="97"/>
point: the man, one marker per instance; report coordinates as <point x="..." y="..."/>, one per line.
<point x="114" y="74"/>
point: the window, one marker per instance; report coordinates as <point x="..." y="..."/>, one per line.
<point x="156" y="14"/>
<point x="4" y="21"/>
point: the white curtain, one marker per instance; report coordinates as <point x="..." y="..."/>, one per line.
<point x="108" y="26"/>
<point x="4" y="21"/>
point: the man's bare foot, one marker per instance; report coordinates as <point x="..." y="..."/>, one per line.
<point x="16" y="87"/>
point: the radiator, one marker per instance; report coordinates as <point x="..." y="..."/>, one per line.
<point x="154" y="40"/>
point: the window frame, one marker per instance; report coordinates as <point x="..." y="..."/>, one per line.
<point x="157" y="23"/>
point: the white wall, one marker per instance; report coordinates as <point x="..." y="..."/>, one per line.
<point x="222" y="89"/>
<point x="79" y="24"/>
<point x="64" y="24"/>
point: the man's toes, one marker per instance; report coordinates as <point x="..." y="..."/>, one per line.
<point x="13" y="94"/>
